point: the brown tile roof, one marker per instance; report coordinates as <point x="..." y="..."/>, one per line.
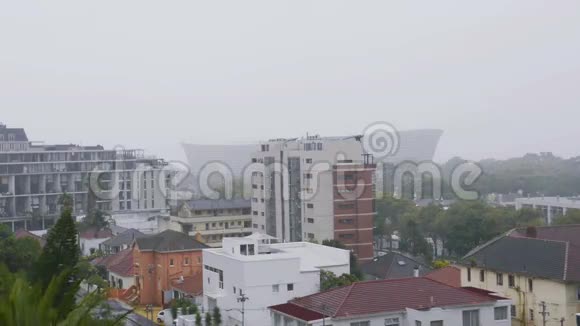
<point x="192" y="285"/>
<point x="450" y="275"/>
<point x="26" y="234"/>
<point x="367" y="298"/>
<point x="298" y="312"/>
<point x="120" y="263"/>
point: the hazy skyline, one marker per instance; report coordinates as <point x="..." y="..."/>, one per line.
<point x="500" y="78"/>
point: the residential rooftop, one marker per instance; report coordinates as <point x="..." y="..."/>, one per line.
<point x="394" y="265"/>
<point x="550" y="252"/>
<point x="383" y="296"/>
<point x="168" y="241"/>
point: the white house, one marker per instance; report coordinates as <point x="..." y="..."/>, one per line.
<point x="250" y="274"/>
<point x="90" y="240"/>
<point x="400" y="302"/>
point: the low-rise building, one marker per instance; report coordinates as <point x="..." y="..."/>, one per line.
<point x="393" y="265"/>
<point x="213" y="220"/>
<point x="120" y="272"/>
<point x="120" y="242"/>
<point x="161" y="259"/>
<point x="255" y="273"/>
<point x="91" y="239"/>
<point x="400" y="302"/>
<point x="538" y="268"/>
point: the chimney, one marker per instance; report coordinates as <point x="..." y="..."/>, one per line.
<point x="531" y="232"/>
<point x="198" y="237"/>
<point x="416" y="271"/>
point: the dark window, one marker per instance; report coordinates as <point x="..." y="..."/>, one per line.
<point x="290" y="287"/>
<point x="499" y="277"/>
<point x="309" y="205"/>
<point x="482" y="275"/>
<point x="513" y="311"/>
<point x="511" y="281"/>
<point x="171" y="262"/>
<point x="346" y="206"/>
<point x="346" y="236"/>
<point x="346" y="221"/>
<point x="530" y="285"/>
<point x="471" y="318"/>
<point x="310" y="220"/>
<point x="469" y="275"/>
<point x="500" y="313"/>
<point x="308" y="160"/>
<point x="531" y="314"/>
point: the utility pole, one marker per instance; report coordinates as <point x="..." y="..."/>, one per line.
<point x="544" y="313"/>
<point x="243" y="298"/>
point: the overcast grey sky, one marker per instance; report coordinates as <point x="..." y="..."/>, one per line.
<point x="501" y="78"/>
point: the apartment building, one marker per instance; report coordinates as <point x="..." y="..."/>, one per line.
<point x="34" y="176"/>
<point x="400" y="302"/>
<point x="314" y="189"/>
<point x="261" y="273"/>
<point x="211" y="220"/>
<point x="538" y="268"/>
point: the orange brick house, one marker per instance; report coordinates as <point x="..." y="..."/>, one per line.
<point x="162" y="259"/>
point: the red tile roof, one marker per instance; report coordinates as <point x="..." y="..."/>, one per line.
<point x="449" y="275"/>
<point x="96" y="234"/>
<point x="192" y="285"/>
<point x="374" y="297"/>
<point x="120" y="263"/>
<point x="26" y="234"/>
<point x="297" y="312"/>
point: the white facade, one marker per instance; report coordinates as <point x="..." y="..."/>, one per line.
<point x="308" y="184"/>
<point x="90" y="246"/>
<point x="120" y="281"/>
<point x="266" y="274"/>
<point x="479" y="315"/>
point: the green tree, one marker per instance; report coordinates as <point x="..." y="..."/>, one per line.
<point x="354" y="268"/>
<point x="208" y="319"/>
<point x="60" y="256"/>
<point x="329" y="280"/>
<point x="17" y="254"/>
<point x="24" y="304"/>
<point x="96" y="220"/>
<point x="572" y="217"/>
<point x="198" y="321"/>
<point x="217" y="316"/>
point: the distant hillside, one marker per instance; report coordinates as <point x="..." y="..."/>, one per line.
<point x="534" y="174"/>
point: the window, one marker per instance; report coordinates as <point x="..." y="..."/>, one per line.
<point x="346" y="236"/>
<point x="308" y="160"/>
<point x="275" y="288"/>
<point x="578" y="293"/>
<point x="309" y="205"/>
<point x="361" y="323"/>
<point x="530" y="285"/>
<point x="346" y="206"/>
<point x="418" y="323"/>
<point x="511" y="281"/>
<point x="235" y="290"/>
<point x="290" y="287"/>
<point x="171" y="262"/>
<point x="186" y="261"/>
<point x="531" y="314"/>
<point x="499" y="277"/>
<point x="392" y="322"/>
<point x="500" y="313"/>
<point x="255" y="213"/>
<point x="310" y="220"/>
<point x="244" y="250"/>
<point x="469" y="275"/>
<point x="471" y="318"/>
<point x="513" y="311"/>
<point x="436" y="323"/>
<point x="482" y="275"/>
<point x="308" y="175"/>
<point x="346" y="221"/>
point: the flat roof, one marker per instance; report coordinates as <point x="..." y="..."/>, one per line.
<point x="312" y="256"/>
